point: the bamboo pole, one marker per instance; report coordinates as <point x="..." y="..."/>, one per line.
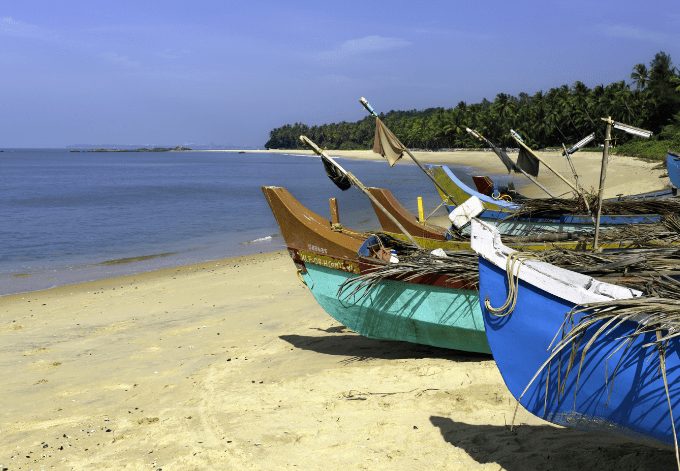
<point x="357" y="183"/>
<point x="372" y="112"/>
<point x="515" y="167"/>
<point x="558" y="174"/>
<point x="573" y="171"/>
<point x="335" y="214"/>
<point x="603" y="176"/>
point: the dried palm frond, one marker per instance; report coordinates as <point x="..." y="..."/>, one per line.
<point x="554" y="207"/>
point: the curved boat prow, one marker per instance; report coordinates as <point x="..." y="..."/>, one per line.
<point x="459" y="192"/>
<point x="403" y="215"/>
<point x="305" y="230"/>
<point x="571" y="286"/>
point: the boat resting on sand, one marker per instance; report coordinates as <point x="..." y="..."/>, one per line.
<point x="607" y="380"/>
<point x="430" y="236"/>
<point x="426" y="234"/>
<point x="497" y="211"/>
<point x="430" y="310"/>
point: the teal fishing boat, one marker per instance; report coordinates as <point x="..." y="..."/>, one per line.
<point x="431" y="309"/>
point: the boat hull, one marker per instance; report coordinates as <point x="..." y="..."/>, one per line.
<point x="395" y="310"/>
<point x="497" y="211"/>
<point x="673" y="168"/>
<point x="431" y="310"/>
<point x="617" y="390"/>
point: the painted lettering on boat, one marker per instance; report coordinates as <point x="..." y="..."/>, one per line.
<point x="329" y="262"/>
<point x="316" y="248"/>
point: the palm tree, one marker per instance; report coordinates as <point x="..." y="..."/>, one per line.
<point x="640" y="76"/>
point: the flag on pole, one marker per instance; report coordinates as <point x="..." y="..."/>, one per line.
<point x="507" y="161"/>
<point x="527" y="162"/>
<point x="386" y="143"/>
<point x="338" y="177"/>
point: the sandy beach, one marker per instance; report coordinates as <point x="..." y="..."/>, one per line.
<point x="232" y="365"/>
<point x="625" y="175"/>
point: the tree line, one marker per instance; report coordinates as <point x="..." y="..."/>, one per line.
<point x="565" y="114"/>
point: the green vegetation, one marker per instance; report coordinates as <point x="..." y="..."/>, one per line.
<point x="545" y="119"/>
<point x="667" y="140"/>
<point x="140" y="149"/>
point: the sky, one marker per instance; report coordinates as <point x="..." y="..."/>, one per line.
<point x="226" y="72"/>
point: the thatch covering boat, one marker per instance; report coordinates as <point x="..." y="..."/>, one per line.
<point x="554" y="214"/>
<point x="613" y="365"/>
<point x="421" y="299"/>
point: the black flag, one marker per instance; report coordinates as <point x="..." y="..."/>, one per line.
<point x="340" y="179"/>
<point x="527" y="162"/>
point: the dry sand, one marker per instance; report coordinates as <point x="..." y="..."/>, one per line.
<point x="233" y="365"/>
<point x="625" y="175"/>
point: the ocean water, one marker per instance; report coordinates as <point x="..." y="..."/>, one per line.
<point x="67" y="217"/>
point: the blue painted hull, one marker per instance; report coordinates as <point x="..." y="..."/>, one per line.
<point x="497" y="211"/>
<point x="673" y="167"/>
<point x="632" y="403"/>
<point x="410" y="312"/>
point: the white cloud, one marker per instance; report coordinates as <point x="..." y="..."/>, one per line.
<point x="370" y="44"/>
<point x="622" y="31"/>
<point x="362" y="46"/>
<point x="19" y="29"/>
<point x="119" y="60"/>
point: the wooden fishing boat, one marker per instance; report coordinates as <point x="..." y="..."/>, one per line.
<point x="613" y="386"/>
<point x="430" y="236"/>
<point x="430" y="310"/>
<point x="497" y="210"/>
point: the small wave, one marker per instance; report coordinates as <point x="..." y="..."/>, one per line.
<point x="260" y="239"/>
<point x="141" y="258"/>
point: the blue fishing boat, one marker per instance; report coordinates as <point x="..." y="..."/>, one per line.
<point x="497" y="209"/>
<point x="673" y="168"/>
<point x="615" y="386"/>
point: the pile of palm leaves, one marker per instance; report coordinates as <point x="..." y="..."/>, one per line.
<point x="638" y="265"/>
<point x="458" y="266"/>
<point x="666" y="232"/>
<point x="555" y="207"/>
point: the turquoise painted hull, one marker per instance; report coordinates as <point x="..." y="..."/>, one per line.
<point x="410" y="312"/>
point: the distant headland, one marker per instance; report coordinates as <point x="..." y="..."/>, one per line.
<point x="139" y="149"/>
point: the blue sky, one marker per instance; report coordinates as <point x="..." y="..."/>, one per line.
<point x="226" y="72"/>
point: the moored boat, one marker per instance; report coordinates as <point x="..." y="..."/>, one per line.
<point x="608" y="379"/>
<point x="500" y="211"/>
<point x="434" y="308"/>
<point x="431" y="310"/>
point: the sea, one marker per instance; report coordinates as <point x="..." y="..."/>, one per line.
<point x="67" y="217"/>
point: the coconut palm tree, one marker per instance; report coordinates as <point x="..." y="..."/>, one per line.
<point x="640" y="76"/>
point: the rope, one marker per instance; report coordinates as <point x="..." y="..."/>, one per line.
<point x="435" y="210"/>
<point x="515" y="259"/>
<point x="662" y="363"/>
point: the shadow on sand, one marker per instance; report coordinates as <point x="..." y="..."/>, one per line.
<point x="358" y="348"/>
<point x="542" y="447"/>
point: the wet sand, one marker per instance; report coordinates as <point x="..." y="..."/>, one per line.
<point x="233" y="365"/>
